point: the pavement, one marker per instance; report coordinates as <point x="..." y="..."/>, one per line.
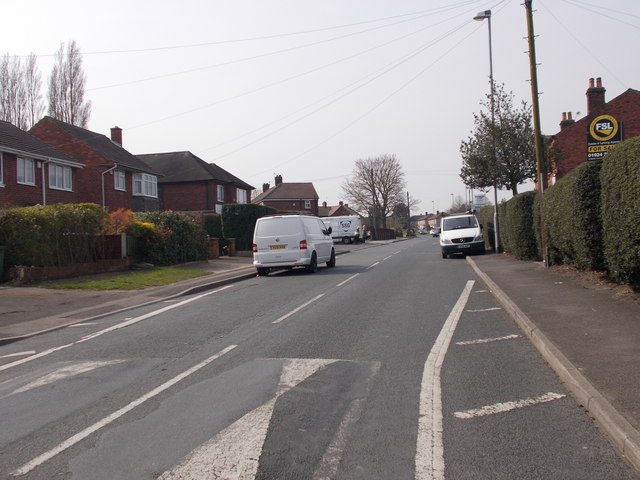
<point x="586" y="332"/>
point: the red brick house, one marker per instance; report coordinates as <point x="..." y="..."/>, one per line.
<point x="340" y="210"/>
<point x="289" y="196"/>
<point x="190" y="184"/>
<point x="605" y="125"/>
<point x="112" y="176"/>
<point x="33" y="172"/>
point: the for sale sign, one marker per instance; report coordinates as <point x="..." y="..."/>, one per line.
<point x="604" y="133"/>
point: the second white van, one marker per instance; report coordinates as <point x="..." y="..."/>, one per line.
<point x="288" y="241"/>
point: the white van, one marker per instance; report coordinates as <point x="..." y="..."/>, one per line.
<point x="461" y="234"/>
<point x="345" y="229"/>
<point x="287" y="241"/>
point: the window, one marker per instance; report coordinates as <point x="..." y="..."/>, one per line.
<point x="241" y="196"/>
<point x="26" y="171"/>
<point x="119" y="180"/>
<point x="221" y="193"/>
<point x="145" y="185"/>
<point x="307" y="204"/>
<point x="59" y="177"/>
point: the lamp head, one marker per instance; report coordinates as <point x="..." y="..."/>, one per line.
<point x="483" y="15"/>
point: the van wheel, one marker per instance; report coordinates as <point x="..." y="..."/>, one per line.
<point x="263" y="272"/>
<point x="332" y="261"/>
<point x="313" y="265"/>
<point x="346" y="240"/>
<point x="444" y="255"/>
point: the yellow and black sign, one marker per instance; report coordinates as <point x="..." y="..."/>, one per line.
<point x="604" y="133"/>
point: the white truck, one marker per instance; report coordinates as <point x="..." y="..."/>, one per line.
<point x="346" y="229"/>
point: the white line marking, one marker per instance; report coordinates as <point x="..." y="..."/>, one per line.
<point x="429" y="446"/>
<point x="81" y="325"/>
<point x="485" y="310"/>
<point x="371" y="266"/>
<point x="284" y="317"/>
<point x="36" y="462"/>
<point x="387" y="258"/>
<point x="18" y="354"/>
<point x="508" y="406"/>
<point x="65" y="372"/>
<point x="482" y="291"/>
<point x="347" y="280"/>
<point x="97" y="334"/>
<point x="489" y="340"/>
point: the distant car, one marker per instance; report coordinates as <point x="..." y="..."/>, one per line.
<point x="422" y="231"/>
<point x="435" y="231"/>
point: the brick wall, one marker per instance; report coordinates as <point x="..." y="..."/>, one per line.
<point x="188" y="196"/>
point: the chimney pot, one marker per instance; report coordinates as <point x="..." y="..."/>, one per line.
<point x="324" y="204"/>
<point x="564" y="116"/>
<point x="116" y="135"/>
<point x="340" y="203"/>
<point x="595" y="97"/>
<point x="278" y="180"/>
<point x="591" y="83"/>
<point x="265" y="187"/>
<point x="599" y="82"/>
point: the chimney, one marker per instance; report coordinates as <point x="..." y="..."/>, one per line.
<point x="278" y="180"/>
<point x="324" y="204"/>
<point x="265" y="187"/>
<point x="116" y="135"/>
<point x="595" y="97"/>
<point x="567" y="120"/>
<point x="340" y="203"/>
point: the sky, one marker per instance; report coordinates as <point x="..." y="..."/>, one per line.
<point x="303" y="89"/>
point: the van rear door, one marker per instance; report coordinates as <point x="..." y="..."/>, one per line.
<point x="278" y="239"/>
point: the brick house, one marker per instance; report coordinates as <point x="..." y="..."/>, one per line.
<point x="340" y="210"/>
<point x="605" y="124"/>
<point x="289" y="196"/>
<point x="112" y="176"/>
<point x="33" y="172"/>
<point x="190" y="184"/>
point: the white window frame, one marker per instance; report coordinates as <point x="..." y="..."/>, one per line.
<point x="307" y="204"/>
<point x="1" y="170"/>
<point x="120" y="180"/>
<point x="23" y="172"/>
<point x="241" y="195"/>
<point x="60" y="177"/>
<point x="220" y="195"/>
<point x="145" y="185"/>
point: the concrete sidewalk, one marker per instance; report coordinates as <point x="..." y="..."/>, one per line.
<point x="588" y="335"/>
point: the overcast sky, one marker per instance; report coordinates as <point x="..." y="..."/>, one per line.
<point x="303" y="89"/>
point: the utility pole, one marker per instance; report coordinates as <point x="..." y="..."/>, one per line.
<point x="540" y="173"/>
<point x="408" y="214"/>
<point x="373" y="207"/>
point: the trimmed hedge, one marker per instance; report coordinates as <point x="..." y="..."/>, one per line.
<point x="213" y="225"/>
<point x="179" y="238"/>
<point x="485" y="217"/>
<point x="239" y="220"/>
<point x="518" y="227"/>
<point x="620" y="210"/>
<point x="571" y="219"/>
<point x="53" y="235"/>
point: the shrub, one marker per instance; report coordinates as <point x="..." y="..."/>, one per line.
<point x="485" y="217"/>
<point x="620" y="207"/>
<point x="520" y="233"/>
<point x="213" y="225"/>
<point x="239" y="220"/>
<point x="174" y="238"/>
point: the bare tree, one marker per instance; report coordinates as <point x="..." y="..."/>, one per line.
<point x="33" y="87"/>
<point x="66" y="87"/>
<point x="20" y="98"/>
<point x="376" y="186"/>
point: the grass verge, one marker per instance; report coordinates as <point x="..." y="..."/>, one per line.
<point x="132" y="281"/>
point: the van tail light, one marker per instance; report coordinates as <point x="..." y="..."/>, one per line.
<point x="255" y="248"/>
<point x="303" y="244"/>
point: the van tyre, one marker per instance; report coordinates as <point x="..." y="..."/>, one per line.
<point x="263" y="272"/>
<point x="444" y="255"/>
<point x="313" y="265"/>
<point x="332" y="261"/>
<point x="346" y="240"/>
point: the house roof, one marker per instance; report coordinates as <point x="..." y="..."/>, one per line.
<point x="15" y="140"/>
<point x="288" y="191"/>
<point x="103" y="145"/>
<point x="179" y="167"/>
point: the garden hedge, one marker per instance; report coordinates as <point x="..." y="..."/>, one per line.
<point x="239" y="220"/>
<point x="517" y="229"/>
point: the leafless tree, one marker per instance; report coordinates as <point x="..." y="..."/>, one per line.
<point x="20" y="99"/>
<point x="375" y="187"/>
<point x="66" y="87"/>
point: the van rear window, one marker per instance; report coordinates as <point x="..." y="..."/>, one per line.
<point x="278" y="226"/>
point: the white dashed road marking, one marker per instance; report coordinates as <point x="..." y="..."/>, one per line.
<point x="508" y="406"/>
<point x="488" y="340"/>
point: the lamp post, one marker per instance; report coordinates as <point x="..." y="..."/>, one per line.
<point x="486" y="15"/>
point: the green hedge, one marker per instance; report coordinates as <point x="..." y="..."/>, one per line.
<point x="518" y="227"/>
<point x="485" y="217"/>
<point x="620" y="210"/>
<point x="180" y="238"/>
<point x="239" y="220"/>
<point x="52" y="235"/>
<point x="571" y="218"/>
<point x="213" y="225"/>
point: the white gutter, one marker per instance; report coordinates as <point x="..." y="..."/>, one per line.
<point x="104" y="201"/>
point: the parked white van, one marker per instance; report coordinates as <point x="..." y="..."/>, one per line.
<point x="345" y="229"/>
<point x="461" y="234"/>
<point x="287" y="241"/>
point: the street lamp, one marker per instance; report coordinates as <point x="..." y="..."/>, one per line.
<point x="486" y="14"/>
